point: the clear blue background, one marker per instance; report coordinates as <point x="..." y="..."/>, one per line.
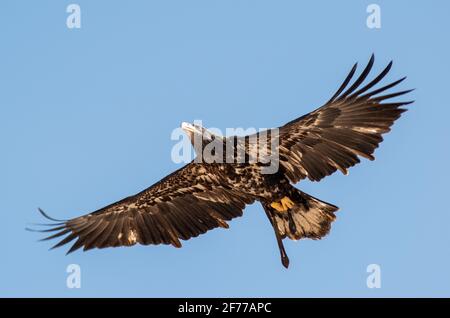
<point x="86" y="117"/>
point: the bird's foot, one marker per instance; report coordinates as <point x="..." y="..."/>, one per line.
<point x="283" y="205"/>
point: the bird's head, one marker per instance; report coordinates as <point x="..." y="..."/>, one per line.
<point x="195" y="130"/>
<point x="199" y="135"/>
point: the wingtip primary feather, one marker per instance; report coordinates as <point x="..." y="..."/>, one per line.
<point x="344" y="84"/>
<point x="49" y="217"/>
<point x="360" y="78"/>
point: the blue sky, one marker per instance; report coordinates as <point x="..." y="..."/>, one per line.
<point x="86" y="116"/>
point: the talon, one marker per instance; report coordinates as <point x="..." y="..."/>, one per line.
<point x="278" y="206"/>
<point x="284" y="205"/>
<point x="287" y="202"/>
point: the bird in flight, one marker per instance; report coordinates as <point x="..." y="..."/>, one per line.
<point x="202" y="196"/>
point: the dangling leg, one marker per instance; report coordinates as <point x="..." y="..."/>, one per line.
<point x="295" y="215"/>
<point x="284" y="257"/>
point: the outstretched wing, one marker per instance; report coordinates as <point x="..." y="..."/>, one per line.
<point x="349" y="125"/>
<point x="189" y="202"/>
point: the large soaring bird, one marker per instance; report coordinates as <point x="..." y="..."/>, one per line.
<point x="204" y="195"/>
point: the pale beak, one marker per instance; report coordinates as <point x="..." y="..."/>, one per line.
<point x="187" y="127"/>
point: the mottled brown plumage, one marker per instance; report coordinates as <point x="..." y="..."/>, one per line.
<point x="203" y="196"/>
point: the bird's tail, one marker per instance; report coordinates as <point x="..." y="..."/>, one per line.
<point x="299" y="215"/>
